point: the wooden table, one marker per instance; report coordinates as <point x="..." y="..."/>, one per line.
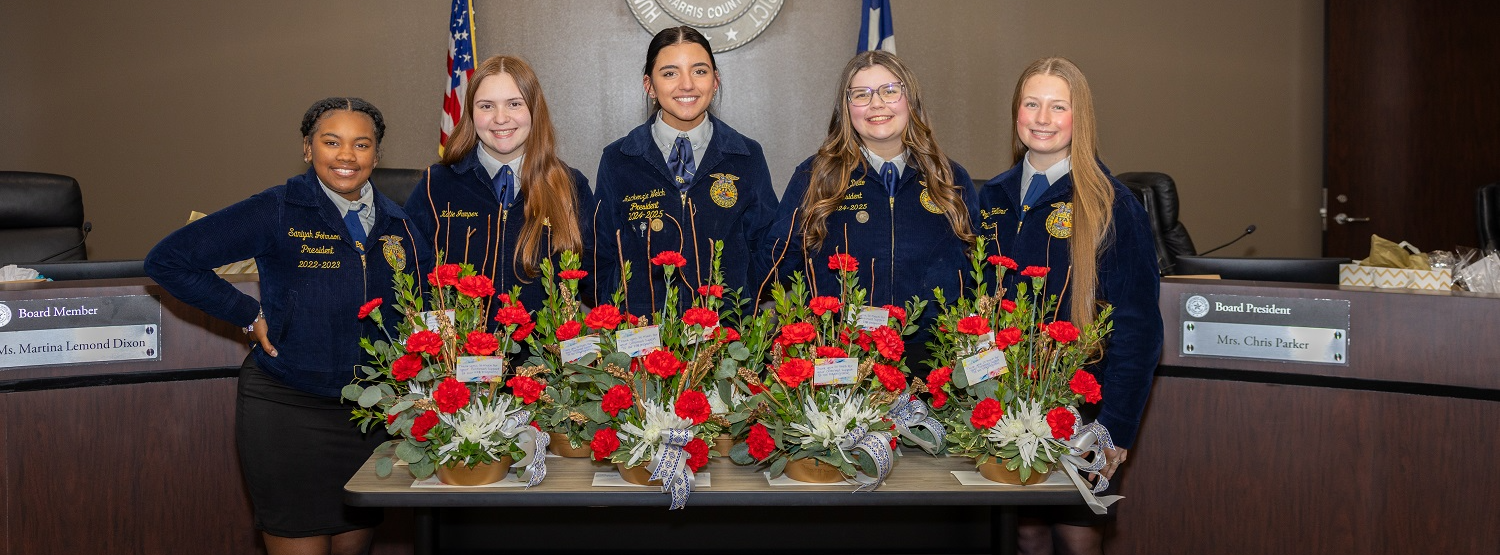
<point x="917" y="480"/>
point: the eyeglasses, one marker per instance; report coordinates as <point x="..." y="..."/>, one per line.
<point x="890" y="93"/>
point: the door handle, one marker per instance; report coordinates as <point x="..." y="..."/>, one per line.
<point x="1342" y="218"/>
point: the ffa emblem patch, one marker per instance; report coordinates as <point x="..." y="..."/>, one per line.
<point x="927" y="201"/>
<point x="390" y="246"/>
<point x="1060" y="221"/>
<point x="723" y="191"/>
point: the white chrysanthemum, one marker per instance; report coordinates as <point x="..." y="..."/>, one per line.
<point x="656" y="419"/>
<point x="478" y="423"/>
<point x="844" y="414"/>
<point x="716" y="403"/>
<point x="1025" y="427"/>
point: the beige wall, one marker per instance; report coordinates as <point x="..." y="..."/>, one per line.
<point x="164" y="106"/>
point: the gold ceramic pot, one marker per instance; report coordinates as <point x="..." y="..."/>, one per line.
<point x="637" y="475"/>
<point x="456" y="474"/>
<point x="995" y="471"/>
<point x="813" y="471"/>
<point x="562" y="448"/>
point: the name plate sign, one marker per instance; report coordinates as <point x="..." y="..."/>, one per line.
<point x="1265" y="328"/>
<point x="44" y="332"/>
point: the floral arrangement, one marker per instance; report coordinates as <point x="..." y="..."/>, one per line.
<point x="1014" y="372"/>
<point x="440" y="384"/>
<point x="565" y="344"/>
<point x="836" y="370"/>
<point x="657" y="379"/>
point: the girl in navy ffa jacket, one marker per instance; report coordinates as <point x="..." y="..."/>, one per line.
<point x="681" y="181"/>
<point x="501" y="199"/>
<point x="1059" y="207"/>
<point x="325" y="243"/>
<point x="881" y="190"/>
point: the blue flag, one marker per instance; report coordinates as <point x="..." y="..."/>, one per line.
<point x="875" y="29"/>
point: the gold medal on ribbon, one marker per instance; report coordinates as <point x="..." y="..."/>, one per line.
<point x="723" y="192"/>
<point x="1060" y="221"/>
<point x="395" y="256"/>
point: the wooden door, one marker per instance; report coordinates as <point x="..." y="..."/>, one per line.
<point x="1413" y="121"/>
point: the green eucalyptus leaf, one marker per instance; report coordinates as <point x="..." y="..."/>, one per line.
<point x="727" y="369"/>
<point x="352" y="392"/>
<point x="593" y="411"/>
<point x="369" y="397"/>
<point x="738" y="351"/>
<point x="409" y="452"/>
<point x="778" y="467"/>
<point x="383" y="466"/>
<point x="740" y="454"/>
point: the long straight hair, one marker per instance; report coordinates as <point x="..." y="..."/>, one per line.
<point x="840" y="155"/>
<point x="551" y="199"/>
<point x="1093" y="196"/>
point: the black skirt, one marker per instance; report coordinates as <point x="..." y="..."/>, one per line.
<point x="297" y="450"/>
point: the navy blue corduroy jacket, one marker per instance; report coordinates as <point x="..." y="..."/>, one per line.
<point x="730" y="199"/>
<point x="1128" y="280"/>
<point x="312" y="279"/>
<point x="457" y="208"/>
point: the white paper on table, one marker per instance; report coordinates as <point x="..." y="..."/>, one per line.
<point x="785" y="480"/>
<point x="612" y="479"/>
<point x="973" y="478"/>
<point x="509" y="481"/>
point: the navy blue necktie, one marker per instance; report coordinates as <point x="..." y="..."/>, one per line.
<point x="356" y="229"/>
<point x="680" y="161"/>
<point x="505" y="186"/>
<point x="1034" y="191"/>
<point x="889" y="178"/>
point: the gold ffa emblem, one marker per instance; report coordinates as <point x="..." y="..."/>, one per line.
<point x="656" y="224"/>
<point x="927" y="200"/>
<point x="723" y="191"/>
<point x="390" y="246"/>
<point x="1060" y="221"/>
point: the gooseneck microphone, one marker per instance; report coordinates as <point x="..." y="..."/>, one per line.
<point x="87" y="227"/>
<point x="1248" y="231"/>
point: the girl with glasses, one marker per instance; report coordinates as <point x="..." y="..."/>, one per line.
<point x="879" y="189"/>
<point x="1064" y="211"/>
<point x="681" y="181"/>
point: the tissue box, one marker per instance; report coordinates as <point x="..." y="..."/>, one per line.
<point x="1394" y="278"/>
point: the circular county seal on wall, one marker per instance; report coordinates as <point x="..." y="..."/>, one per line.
<point x="728" y="24"/>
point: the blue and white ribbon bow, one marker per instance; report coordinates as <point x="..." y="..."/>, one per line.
<point x="670" y="466"/>
<point x="878" y="445"/>
<point x="1089" y="438"/>
<point x="909" y="412"/>
<point x="534" y="464"/>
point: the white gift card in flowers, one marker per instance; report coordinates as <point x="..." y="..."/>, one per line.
<point x="638" y="341"/>
<point x="989" y="363"/>
<point x="835" y="371"/>
<point x="579" y="347"/>
<point x="870" y="317"/>
<point x="430" y="318"/>
<point x="479" y="368"/>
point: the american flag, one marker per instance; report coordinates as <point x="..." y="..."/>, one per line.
<point x="460" y="66"/>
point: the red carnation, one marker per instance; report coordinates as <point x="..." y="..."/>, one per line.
<point x="1035" y="271"/>
<point x="728" y="334"/>
<point x="794" y="371"/>
<point x="700" y="316"/>
<point x="890" y="377"/>
<point x="367" y="308"/>
<point x="424" y="342"/>
<point x="831" y="352"/>
<point x="568" y="330"/>
<point x="824" y="305"/>
<point x="974" y="325"/>
<point x="512" y="315"/>
<point x="1083" y="383"/>
<point x="896" y="312"/>
<point x="796" y="332"/>
<point x="527" y="388"/>
<point x="523" y="332"/>
<point x="843" y="263"/>
<point x="572" y="274"/>
<point x="603" y="317"/>
<point x="445" y="275"/>
<point x="697" y="451"/>
<point x="618" y="398"/>
<point x="406" y="367"/>
<point x="939" y="378"/>
<point x="939" y="398"/>
<point x="693" y="405"/>
<point x="480" y="343"/>
<point x="716" y="291"/>
<point x="391" y="418"/>
<point x="631" y="318"/>
<point x="663" y="363"/>
<point x="422" y="424"/>
<point x="478" y="287"/>
<point x="604" y="444"/>
<point x="1061" y="420"/>
<point x="1007" y="337"/>
<point x="451" y="395"/>
<point x="754" y="388"/>
<point x="669" y="258"/>
<point x="1003" y="261"/>
<point x="986" y="413"/>
<point x="888" y="342"/>
<point x="1007" y="305"/>
<point x="1062" y="332"/>
<point x="760" y="443"/>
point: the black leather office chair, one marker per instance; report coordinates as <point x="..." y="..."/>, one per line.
<point x="1488" y="216"/>
<point x="1158" y="193"/>
<point x="41" y="217"/>
<point x="397" y="183"/>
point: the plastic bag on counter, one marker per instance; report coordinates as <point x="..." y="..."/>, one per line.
<point x="1479" y="276"/>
